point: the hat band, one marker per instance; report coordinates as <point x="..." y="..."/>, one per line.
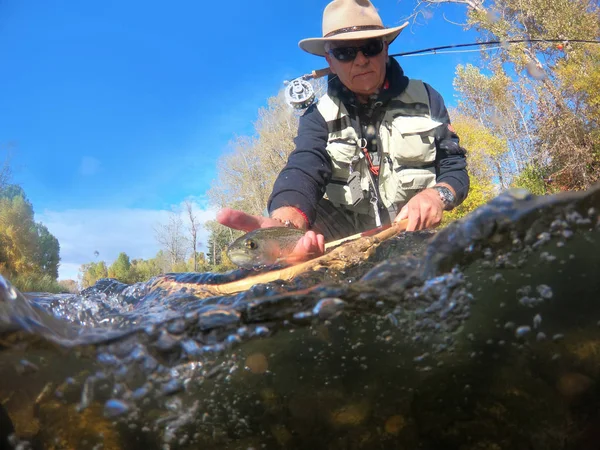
<point x="356" y="28"/>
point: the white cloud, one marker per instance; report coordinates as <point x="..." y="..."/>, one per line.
<point x="81" y="232"/>
<point x="89" y="165"/>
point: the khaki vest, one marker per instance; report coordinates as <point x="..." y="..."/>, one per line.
<point x="408" y="150"/>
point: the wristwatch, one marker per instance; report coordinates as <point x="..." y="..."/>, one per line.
<point x="447" y="197"/>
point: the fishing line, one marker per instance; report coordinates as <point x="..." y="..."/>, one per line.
<point x="455" y="51"/>
<point x="300" y="94"/>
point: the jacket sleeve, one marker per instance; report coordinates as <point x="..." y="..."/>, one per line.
<point x="302" y="182"/>
<point x="451" y="161"/>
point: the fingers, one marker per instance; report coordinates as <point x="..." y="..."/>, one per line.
<point x="240" y="220"/>
<point x="321" y="243"/>
<point x="309" y="246"/>
<point x="423" y="211"/>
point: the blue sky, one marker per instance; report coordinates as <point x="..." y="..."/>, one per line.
<point x="118" y="110"/>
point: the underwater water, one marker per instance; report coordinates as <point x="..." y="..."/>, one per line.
<point x="483" y="335"/>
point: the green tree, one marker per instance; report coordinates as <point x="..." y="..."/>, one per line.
<point x="119" y="269"/>
<point x="220" y="238"/>
<point x="18" y="238"/>
<point x="554" y="88"/>
<point x="92" y="272"/>
<point x="484" y="148"/>
<point x="47" y="255"/>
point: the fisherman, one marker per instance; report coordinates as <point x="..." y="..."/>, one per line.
<point x="376" y="149"/>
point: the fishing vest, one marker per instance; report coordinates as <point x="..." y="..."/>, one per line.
<point x="406" y="144"/>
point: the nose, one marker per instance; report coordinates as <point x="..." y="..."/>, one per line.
<point x="361" y="59"/>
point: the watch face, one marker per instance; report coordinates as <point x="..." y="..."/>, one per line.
<point x="446" y="195"/>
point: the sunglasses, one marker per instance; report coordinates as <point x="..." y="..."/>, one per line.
<point x="370" y="49"/>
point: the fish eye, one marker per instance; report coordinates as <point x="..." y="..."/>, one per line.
<point x="250" y="244"/>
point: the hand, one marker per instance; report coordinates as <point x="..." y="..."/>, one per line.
<point x="239" y="220"/>
<point x="311" y="245"/>
<point x="424" y="210"/>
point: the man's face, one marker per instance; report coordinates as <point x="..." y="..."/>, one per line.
<point x="364" y="74"/>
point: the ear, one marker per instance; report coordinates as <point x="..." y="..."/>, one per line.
<point x="328" y="58"/>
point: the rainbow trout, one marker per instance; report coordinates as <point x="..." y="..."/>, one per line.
<point x="264" y="247"/>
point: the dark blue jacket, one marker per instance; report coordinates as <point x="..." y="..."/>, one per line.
<point x="301" y="183"/>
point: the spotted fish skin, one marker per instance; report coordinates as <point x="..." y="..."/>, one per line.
<point x="264" y="247"/>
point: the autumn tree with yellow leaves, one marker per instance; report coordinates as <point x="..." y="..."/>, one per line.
<point x="29" y="253"/>
<point x="541" y="98"/>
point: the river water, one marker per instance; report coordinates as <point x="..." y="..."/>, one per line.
<point x="483" y="335"/>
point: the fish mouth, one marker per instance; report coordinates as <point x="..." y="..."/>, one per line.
<point x="241" y="259"/>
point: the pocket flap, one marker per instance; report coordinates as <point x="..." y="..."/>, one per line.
<point x="413" y="125"/>
<point x="342" y="151"/>
<point x="416" y="178"/>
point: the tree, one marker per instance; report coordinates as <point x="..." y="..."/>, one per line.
<point x="220" y="238"/>
<point x="91" y="272"/>
<point x="171" y="238"/>
<point x="48" y="250"/>
<point x="193" y="233"/>
<point x="553" y="122"/>
<point x="120" y="269"/>
<point x="18" y="238"/>
<point x="484" y="149"/>
<point x="247" y="173"/>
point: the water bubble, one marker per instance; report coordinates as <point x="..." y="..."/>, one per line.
<point x="302" y="316"/>
<point x="176" y="327"/>
<point x="172" y="387"/>
<point x="328" y="308"/>
<point x="540" y="337"/>
<point x="190" y="347"/>
<point x="107" y="359"/>
<point x="547" y="257"/>
<point x="496" y="278"/>
<point x="261" y="331"/>
<point x="567" y="234"/>
<point x="420" y="358"/>
<point x="537" y="321"/>
<point x="558" y="337"/>
<point x="522" y="331"/>
<point x="165" y="342"/>
<point x="528" y="301"/>
<point x="545" y="291"/>
<point x="25" y="366"/>
<point x="141" y="392"/>
<point x="115" y="408"/>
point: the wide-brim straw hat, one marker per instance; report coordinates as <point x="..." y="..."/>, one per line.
<point x="345" y="20"/>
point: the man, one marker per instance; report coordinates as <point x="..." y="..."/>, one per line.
<point x="377" y="148"/>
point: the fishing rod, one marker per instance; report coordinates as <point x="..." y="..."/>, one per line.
<point x="300" y="94"/>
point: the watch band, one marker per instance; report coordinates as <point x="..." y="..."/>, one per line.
<point x="447" y="197"/>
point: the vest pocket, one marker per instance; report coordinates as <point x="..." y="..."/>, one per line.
<point x="410" y="182"/>
<point x="338" y="192"/>
<point x="412" y="139"/>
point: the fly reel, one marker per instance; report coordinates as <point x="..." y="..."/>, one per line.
<point x="299" y="93"/>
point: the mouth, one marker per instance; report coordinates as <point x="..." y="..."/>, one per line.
<point x="240" y="258"/>
<point x="360" y="75"/>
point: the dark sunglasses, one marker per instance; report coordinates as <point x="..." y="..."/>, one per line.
<point x="370" y="49"/>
